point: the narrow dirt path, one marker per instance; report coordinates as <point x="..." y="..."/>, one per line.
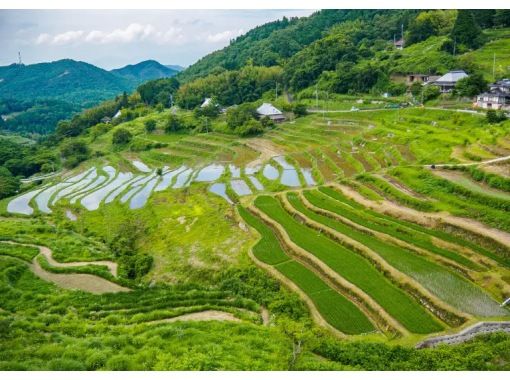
<point x="48" y="254"/>
<point x="77" y="281"/>
<point x="207" y="315"/>
<point x="74" y="281"/>
<point x="264" y="313"/>
<point x="486" y="162"/>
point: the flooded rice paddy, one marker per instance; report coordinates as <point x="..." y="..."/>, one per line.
<point x="99" y="186"/>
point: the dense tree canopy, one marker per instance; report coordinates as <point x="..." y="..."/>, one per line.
<point x="230" y="87"/>
<point x="466" y="31"/>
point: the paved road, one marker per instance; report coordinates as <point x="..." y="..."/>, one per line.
<point x="487" y="162"/>
<point x="472" y="112"/>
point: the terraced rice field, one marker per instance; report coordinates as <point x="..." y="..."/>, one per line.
<point x="353" y="268"/>
<point x="445" y="284"/>
<point x="95" y="187"/>
<point x="338" y="311"/>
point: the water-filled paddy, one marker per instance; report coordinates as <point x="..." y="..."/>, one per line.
<point x="270" y="172"/>
<point x="92" y="200"/>
<point x="221" y="190"/>
<point x="307" y="175"/>
<point x="140" y="198"/>
<point x="210" y="173"/>
<point x="256" y="183"/>
<point x="290" y="178"/>
<point x="20" y="205"/>
<point x="141" y="166"/>
<point x="167" y="178"/>
<point x="182" y="179"/>
<point x="240" y="187"/>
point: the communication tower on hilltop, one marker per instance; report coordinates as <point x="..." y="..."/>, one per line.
<point x="20" y="62"/>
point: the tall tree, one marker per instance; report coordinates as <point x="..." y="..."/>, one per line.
<point x="484" y="17"/>
<point x="502" y="17"/>
<point x="466" y="31"/>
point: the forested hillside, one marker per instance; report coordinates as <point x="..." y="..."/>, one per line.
<point x="275" y="42"/>
<point x="68" y="80"/>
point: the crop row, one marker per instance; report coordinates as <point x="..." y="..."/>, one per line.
<point x="445" y="284"/>
<point x="353" y="268"/>
<point x="408" y="232"/>
<point x="338" y="311"/>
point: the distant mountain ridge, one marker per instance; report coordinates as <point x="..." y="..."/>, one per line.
<point x="72" y="81"/>
<point x="145" y="70"/>
<point x="33" y="98"/>
<point x="176" y="67"/>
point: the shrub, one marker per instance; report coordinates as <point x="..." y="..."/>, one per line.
<point x="250" y="128"/>
<point x="121" y="136"/>
<point x="494" y="117"/>
<point x="299" y="110"/>
<point x="74" y="152"/>
<point x="238" y="116"/>
<point x="430" y="92"/>
<point x="173" y="124"/>
<point x="150" y="125"/>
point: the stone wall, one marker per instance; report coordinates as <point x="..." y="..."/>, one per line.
<point x="466" y="334"/>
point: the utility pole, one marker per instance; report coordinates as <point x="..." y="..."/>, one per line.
<point x="276" y="92"/>
<point x="494" y="68"/>
<point x="171" y="100"/>
<point x="454" y="45"/>
<point x="316" y="97"/>
<point x="402" y="34"/>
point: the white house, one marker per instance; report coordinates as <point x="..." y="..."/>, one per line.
<point x="206" y="103"/>
<point x="267" y="109"/>
<point x="498" y="97"/>
<point x="448" y="81"/>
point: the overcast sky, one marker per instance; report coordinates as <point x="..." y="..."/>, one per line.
<point x="114" y="38"/>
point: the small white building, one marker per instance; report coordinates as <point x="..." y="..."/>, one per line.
<point x="447" y="82"/>
<point x="206" y="103"/>
<point x="498" y="97"/>
<point x="268" y="110"/>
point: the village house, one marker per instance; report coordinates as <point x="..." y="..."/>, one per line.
<point x="447" y="82"/>
<point x="399" y="44"/>
<point x="206" y="103"/>
<point x="497" y="98"/>
<point x="268" y="110"/>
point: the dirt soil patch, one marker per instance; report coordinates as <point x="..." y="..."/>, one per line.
<point x="266" y="148"/>
<point x="207" y="315"/>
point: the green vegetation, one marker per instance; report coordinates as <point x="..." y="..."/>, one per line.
<point x="354" y="268"/>
<point x="413" y="234"/>
<point x="335" y="308"/>
<point x="445" y="284"/>
<point x="21" y="252"/>
<point x="352" y="119"/>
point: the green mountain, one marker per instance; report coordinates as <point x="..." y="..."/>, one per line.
<point x="68" y="80"/>
<point x="144" y="71"/>
<point x="275" y="42"/>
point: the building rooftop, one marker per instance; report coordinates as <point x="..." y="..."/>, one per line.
<point x="452" y="76"/>
<point x="267" y="109"/>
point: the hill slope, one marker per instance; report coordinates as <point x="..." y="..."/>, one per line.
<point x="72" y="81"/>
<point x="145" y="70"/>
<point x="274" y="42"/>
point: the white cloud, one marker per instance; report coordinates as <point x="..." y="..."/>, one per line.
<point x="67" y="37"/>
<point x="224" y="36"/>
<point x="43" y="38"/>
<point x="132" y="33"/>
